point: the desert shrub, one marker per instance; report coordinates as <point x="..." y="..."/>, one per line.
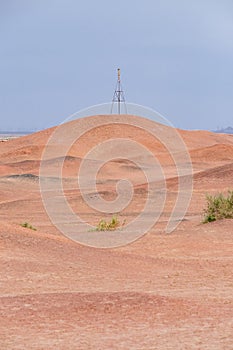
<point x="111" y="225"/>
<point x="219" y="207"/>
<point x="27" y="225"/>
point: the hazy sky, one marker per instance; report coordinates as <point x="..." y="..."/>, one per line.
<point x="59" y="56"/>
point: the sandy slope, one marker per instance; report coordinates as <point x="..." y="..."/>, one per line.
<point x="161" y="292"/>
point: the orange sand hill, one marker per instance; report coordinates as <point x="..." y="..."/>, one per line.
<point x="161" y="292"/>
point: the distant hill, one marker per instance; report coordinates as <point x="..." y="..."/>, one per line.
<point x="4" y="132"/>
<point x="7" y="135"/>
<point x="228" y="130"/>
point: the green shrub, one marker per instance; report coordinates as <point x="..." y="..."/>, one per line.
<point x="111" y="225"/>
<point x="219" y="207"/>
<point x="27" y="225"/>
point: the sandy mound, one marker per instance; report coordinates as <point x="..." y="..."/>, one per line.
<point x="157" y="293"/>
<point x="214" y="153"/>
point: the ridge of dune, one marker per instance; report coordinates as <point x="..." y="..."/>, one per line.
<point x="22" y="157"/>
<point x="218" y="172"/>
<point x="215" y="152"/>
<point x="30" y="147"/>
<point x="203" y="138"/>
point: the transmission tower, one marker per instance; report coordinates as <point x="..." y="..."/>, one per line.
<point x="118" y="96"/>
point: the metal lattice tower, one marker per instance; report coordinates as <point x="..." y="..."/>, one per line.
<point x="118" y="96"/>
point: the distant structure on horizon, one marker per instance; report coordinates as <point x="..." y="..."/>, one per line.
<point x="118" y="96"/>
<point x="228" y="130"/>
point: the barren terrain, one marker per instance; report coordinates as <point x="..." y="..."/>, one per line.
<point x="163" y="291"/>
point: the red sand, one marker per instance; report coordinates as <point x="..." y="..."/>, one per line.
<point x="161" y="292"/>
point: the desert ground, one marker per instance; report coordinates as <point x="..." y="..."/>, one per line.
<point x="163" y="291"/>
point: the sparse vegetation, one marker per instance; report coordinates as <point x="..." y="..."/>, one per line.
<point x="219" y="207"/>
<point x="27" y="225"/>
<point x="111" y="225"/>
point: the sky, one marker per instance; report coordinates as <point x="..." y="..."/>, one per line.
<point x="60" y="56"/>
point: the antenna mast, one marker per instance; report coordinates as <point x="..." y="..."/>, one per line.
<point x="118" y="96"/>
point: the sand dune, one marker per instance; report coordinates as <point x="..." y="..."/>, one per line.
<point x="218" y="152"/>
<point x="160" y="292"/>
